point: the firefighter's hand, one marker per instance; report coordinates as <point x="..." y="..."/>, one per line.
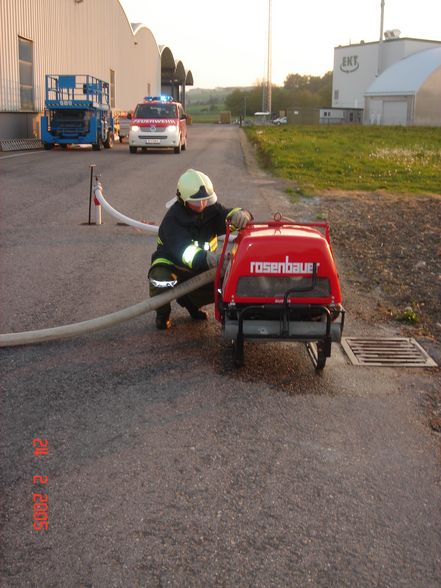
<point x="213" y="258"/>
<point x="240" y="219"/>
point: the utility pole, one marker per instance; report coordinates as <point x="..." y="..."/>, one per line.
<point x="267" y="86"/>
<point x="270" y="58"/>
<point x="380" y="45"/>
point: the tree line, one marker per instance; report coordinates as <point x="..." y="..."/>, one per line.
<point x="297" y="92"/>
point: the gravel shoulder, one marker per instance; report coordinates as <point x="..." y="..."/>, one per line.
<point x="392" y="248"/>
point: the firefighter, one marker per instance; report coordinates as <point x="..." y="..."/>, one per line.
<point x="187" y="243"/>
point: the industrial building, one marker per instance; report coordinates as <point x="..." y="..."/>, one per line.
<point x="393" y="82"/>
<point x="408" y="92"/>
<point x="40" y="37"/>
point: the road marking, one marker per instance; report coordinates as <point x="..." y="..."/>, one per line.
<point x="20" y="154"/>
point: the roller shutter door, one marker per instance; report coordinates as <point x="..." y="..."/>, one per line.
<point x="395" y="112"/>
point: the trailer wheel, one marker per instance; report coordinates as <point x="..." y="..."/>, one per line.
<point x="110" y="140"/>
<point x="317" y="354"/>
<point x="321" y="356"/>
<point x="238" y="353"/>
<point x="99" y="142"/>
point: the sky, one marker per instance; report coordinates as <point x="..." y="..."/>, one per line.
<point x="225" y="44"/>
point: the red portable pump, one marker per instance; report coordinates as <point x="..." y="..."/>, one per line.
<point x="280" y="282"/>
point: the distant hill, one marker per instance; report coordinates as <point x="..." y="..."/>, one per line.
<point x="195" y="96"/>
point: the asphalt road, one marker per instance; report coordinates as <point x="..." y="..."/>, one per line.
<point x="165" y="467"/>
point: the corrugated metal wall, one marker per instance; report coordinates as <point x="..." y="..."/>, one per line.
<point x="76" y="37"/>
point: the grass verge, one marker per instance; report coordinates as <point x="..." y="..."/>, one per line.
<point x="356" y="158"/>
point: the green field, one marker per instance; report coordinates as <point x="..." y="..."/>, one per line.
<point x="203" y="113"/>
<point x="364" y="158"/>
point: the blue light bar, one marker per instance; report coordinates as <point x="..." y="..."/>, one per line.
<point x="158" y="99"/>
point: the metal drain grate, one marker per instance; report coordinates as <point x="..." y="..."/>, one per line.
<point x="393" y="352"/>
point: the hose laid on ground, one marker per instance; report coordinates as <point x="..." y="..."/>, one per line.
<point x="98" y="191"/>
<point x="108" y="320"/>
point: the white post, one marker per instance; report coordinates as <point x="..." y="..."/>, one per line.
<point x="98" y="216"/>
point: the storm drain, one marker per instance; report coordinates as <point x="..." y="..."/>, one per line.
<point x="393" y="352"/>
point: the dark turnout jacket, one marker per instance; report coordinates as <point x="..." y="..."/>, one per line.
<point x="185" y="236"/>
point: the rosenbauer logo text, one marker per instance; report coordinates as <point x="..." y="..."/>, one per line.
<point x="282" y="267"/>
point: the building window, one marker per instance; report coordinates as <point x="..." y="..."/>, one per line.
<point x="26" y="66"/>
<point x="112" y="88"/>
<point x="336" y="94"/>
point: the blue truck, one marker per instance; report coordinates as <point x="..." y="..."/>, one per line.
<point x="77" y="111"/>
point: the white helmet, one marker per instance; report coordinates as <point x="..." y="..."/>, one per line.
<point x="194" y="186"/>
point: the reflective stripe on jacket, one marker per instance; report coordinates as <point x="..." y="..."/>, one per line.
<point x="185" y="236"/>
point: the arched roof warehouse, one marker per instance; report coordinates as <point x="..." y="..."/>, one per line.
<point x="408" y="92"/>
<point x="180" y="72"/>
<point x="174" y="77"/>
<point x="167" y="60"/>
<point x="66" y="37"/>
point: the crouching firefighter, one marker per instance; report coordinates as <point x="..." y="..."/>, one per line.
<point x="187" y="244"/>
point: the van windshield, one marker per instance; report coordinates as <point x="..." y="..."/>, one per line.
<point x="156" y="111"/>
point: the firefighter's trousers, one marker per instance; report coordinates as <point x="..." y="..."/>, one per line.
<point x="165" y="277"/>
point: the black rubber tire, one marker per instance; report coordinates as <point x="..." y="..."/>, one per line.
<point x="48" y="146"/>
<point x="133" y="149"/>
<point x="238" y="354"/>
<point x="321" y="356"/>
<point x="98" y="145"/>
<point x="177" y="149"/>
<point x="109" y="142"/>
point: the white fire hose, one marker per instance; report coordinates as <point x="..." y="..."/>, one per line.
<point x="98" y="191"/>
<point x="109" y="320"/>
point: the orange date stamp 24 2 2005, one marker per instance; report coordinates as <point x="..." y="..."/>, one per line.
<point x="40" y="500"/>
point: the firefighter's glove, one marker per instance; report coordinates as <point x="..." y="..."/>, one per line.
<point x="240" y="219"/>
<point x="213" y="258"/>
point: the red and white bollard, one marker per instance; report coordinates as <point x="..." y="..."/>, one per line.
<point x="98" y="217"/>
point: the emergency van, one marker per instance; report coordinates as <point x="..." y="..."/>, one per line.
<point x="158" y="122"/>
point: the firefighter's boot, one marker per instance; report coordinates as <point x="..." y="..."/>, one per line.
<point x="196" y="313"/>
<point x="163" y="321"/>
